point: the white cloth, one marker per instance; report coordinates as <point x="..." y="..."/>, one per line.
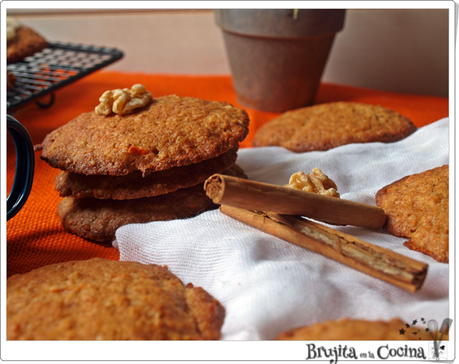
<point x="268" y="285"/>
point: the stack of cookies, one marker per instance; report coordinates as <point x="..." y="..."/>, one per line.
<point x="136" y="159"/>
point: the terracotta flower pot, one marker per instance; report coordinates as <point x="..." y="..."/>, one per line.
<point x="277" y="57"/>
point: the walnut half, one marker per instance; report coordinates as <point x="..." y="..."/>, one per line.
<point x="316" y="182"/>
<point x="123" y="101"/>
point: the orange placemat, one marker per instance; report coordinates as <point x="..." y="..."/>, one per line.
<point x="35" y="236"/>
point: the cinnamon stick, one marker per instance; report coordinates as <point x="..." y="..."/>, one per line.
<point x="381" y="263"/>
<point x="252" y="195"/>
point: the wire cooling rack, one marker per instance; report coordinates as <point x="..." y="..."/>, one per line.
<point x="54" y="67"/>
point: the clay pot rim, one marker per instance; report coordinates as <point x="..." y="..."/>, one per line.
<point x="259" y="22"/>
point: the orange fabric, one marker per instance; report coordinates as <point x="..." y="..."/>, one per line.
<point x="35" y="236"/>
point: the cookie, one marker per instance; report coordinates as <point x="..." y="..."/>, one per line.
<point x="99" y="299"/>
<point x="22" y="43"/>
<point x="347" y="329"/>
<point x="171" y="131"/>
<point x="326" y="126"/>
<point x="98" y="219"/>
<point x="134" y="185"/>
<point x="417" y="207"/>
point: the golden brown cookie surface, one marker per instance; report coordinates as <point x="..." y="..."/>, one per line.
<point x="417" y="207"/>
<point x="347" y="329"/>
<point x="326" y="126"/>
<point x="135" y="186"/>
<point x="170" y="132"/>
<point x="25" y="43"/>
<point x="99" y="299"/>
